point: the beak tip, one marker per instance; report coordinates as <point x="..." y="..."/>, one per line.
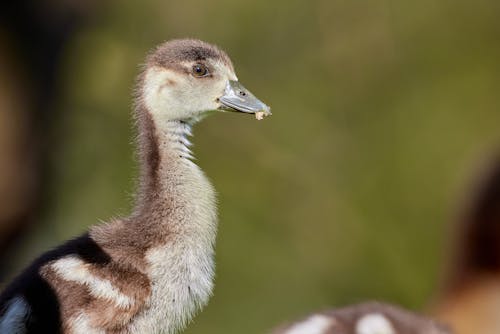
<point x="238" y="98"/>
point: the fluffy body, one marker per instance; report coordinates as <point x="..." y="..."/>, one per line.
<point x="367" y="318"/>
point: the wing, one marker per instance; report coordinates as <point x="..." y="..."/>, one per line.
<point x="76" y="287"/>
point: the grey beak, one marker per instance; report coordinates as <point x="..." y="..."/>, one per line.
<point x="238" y="98"/>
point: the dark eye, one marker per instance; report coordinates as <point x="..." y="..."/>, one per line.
<point x="200" y="70"/>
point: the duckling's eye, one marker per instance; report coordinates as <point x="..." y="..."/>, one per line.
<point x="200" y="70"/>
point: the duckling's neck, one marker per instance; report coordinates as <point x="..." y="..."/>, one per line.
<point x="174" y="193"/>
<point x="174" y="226"/>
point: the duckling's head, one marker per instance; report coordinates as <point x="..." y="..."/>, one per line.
<point x="186" y="79"/>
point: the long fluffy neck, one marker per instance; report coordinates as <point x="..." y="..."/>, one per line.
<point x="171" y="185"/>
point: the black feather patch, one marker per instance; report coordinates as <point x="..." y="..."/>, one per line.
<point x="44" y="307"/>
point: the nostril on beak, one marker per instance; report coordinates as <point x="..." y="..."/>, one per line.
<point x="242" y="93"/>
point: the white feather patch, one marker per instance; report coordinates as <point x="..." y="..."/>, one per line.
<point x="73" y="269"/>
<point x="374" y="323"/>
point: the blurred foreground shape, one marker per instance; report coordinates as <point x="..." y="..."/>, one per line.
<point x="469" y="299"/>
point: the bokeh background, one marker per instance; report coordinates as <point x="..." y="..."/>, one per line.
<point x="383" y="111"/>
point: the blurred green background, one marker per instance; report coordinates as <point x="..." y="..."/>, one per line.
<point x="381" y="112"/>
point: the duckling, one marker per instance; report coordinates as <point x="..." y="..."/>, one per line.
<point x="152" y="271"/>
<point x="366" y="318"/>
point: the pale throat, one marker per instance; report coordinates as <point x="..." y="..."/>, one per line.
<point x="173" y="140"/>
